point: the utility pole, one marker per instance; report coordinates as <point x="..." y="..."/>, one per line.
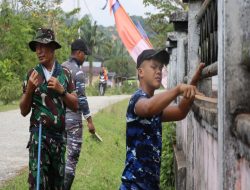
<point x="78" y="6"/>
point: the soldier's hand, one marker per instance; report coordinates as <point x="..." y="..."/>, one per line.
<point x="91" y="127"/>
<point x="197" y="75"/>
<point x="188" y="91"/>
<point x="54" y="84"/>
<point x="32" y="82"/>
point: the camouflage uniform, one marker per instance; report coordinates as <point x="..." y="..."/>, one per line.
<point x="74" y="125"/>
<point x="144" y="144"/>
<point x="49" y="109"/>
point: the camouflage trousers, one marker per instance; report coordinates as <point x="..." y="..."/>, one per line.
<point x="74" y="143"/>
<point x="52" y="163"/>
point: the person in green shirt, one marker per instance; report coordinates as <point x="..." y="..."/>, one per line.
<point x="47" y="91"/>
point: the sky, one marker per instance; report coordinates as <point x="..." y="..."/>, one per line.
<point x="103" y="17"/>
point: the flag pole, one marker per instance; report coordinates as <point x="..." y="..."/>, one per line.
<point x="39" y="157"/>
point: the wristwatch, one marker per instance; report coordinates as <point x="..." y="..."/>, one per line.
<point x="63" y="93"/>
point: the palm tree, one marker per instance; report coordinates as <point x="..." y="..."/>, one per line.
<point x="88" y="33"/>
<point x="120" y="61"/>
<point x="98" y="43"/>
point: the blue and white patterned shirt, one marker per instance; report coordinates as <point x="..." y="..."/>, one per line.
<point x="144" y="144"/>
<point x="78" y="77"/>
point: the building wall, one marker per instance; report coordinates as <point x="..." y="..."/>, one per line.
<point x="234" y="77"/>
<point x="205" y="158"/>
<point x="213" y="141"/>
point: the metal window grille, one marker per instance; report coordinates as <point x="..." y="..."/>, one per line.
<point x="207" y="18"/>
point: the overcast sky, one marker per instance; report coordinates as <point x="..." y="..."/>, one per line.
<point x="103" y="17"/>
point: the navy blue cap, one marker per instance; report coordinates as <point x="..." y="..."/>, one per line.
<point x="160" y="55"/>
<point x="79" y="44"/>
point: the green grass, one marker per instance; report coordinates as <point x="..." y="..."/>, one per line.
<point x="8" y="107"/>
<point x="167" y="164"/>
<point x="126" y="88"/>
<point x="101" y="163"/>
<point x="19" y="182"/>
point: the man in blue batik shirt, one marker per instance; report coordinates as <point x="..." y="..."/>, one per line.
<point x="145" y="113"/>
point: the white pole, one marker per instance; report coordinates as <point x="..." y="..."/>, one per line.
<point x="78" y="6"/>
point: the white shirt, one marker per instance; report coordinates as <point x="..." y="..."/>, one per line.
<point x="48" y="73"/>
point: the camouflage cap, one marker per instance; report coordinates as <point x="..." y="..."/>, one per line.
<point x="44" y="36"/>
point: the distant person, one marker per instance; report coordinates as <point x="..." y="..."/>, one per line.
<point x="74" y="126"/>
<point x="104" y="72"/>
<point x="47" y="90"/>
<point x="103" y="78"/>
<point x="145" y="115"/>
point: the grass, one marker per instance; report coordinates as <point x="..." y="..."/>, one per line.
<point x="101" y="163"/>
<point x="19" y="182"/>
<point x="126" y="88"/>
<point x="11" y="106"/>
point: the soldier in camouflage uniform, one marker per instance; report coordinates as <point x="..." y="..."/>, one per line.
<point x="145" y="113"/>
<point x="74" y="125"/>
<point x="47" y="90"/>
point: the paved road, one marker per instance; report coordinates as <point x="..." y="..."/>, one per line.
<point x="14" y="136"/>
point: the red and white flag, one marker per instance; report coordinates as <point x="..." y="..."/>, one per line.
<point x="131" y="37"/>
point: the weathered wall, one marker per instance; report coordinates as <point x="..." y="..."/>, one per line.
<point x="213" y="142"/>
<point x="234" y="95"/>
<point x="172" y="48"/>
<point x="204" y="158"/>
<point x="192" y="62"/>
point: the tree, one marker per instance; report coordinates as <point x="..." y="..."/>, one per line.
<point x="88" y="34"/>
<point x="17" y="28"/>
<point x="159" y="22"/>
<point x="15" y="32"/>
<point x="9" y="83"/>
<point x="120" y="61"/>
<point x="19" y="20"/>
<point x="98" y="43"/>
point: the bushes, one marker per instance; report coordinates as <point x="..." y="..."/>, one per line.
<point x="129" y="87"/>
<point x="167" y="159"/>
<point x="125" y="88"/>
<point x="10" y="85"/>
<point x="10" y="90"/>
<point x="92" y="90"/>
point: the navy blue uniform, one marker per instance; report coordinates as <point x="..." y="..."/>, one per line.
<point x="144" y="144"/>
<point x="74" y="125"/>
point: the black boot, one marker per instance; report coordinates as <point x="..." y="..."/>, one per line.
<point x="68" y="180"/>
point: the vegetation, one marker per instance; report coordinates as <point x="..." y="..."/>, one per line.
<point x="19" y="21"/>
<point x="101" y="163"/>
<point x="128" y="87"/>
<point x="159" y="22"/>
<point x="167" y="165"/>
<point x="11" y="106"/>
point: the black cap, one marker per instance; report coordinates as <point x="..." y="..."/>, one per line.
<point x="44" y="36"/>
<point x="79" y="44"/>
<point x="160" y="55"/>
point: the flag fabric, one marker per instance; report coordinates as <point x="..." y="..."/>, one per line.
<point x="142" y="31"/>
<point x="131" y="37"/>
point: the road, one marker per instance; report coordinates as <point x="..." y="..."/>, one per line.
<point x="14" y="136"/>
